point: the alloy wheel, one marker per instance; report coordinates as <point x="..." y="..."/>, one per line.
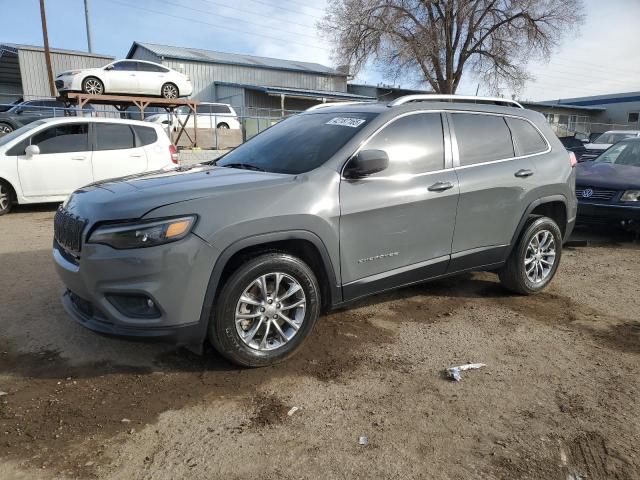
<point x="540" y="256"/>
<point x="270" y="311"/>
<point x="4" y="197"/>
<point x="93" y="86"/>
<point x="169" y="91"/>
<point x="4" y="128"/>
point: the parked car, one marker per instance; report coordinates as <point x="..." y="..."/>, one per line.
<point x="32" y="110"/>
<point x="572" y="144"/>
<point x="210" y="115"/>
<point x="608" y="188"/>
<point x="48" y="159"/>
<point x="321" y="209"/>
<point x="604" y="141"/>
<point x="6" y="106"/>
<point x="130" y="77"/>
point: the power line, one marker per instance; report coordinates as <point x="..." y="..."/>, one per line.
<point x="245" y="12"/>
<point x="286" y="9"/>
<point x="223" y="27"/>
<point x="236" y="19"/>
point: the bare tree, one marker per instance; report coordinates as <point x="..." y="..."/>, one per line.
<point x="436" y="41"/>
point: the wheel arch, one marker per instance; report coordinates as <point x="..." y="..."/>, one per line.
<point x="301" y="243"/>
<point x="13" y="189"/>
<point x="553" y="206"/>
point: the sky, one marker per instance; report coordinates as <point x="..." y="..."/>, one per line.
<point x="603" y="56"/>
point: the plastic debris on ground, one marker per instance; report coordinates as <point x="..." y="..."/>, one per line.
<point x="363" y="441"/>
<point x="292" y="411"/>
<point x="454" y="373"/>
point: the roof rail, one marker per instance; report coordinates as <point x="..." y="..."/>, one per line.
<point x="428" y="97"/>
<point x="332" y="104"/>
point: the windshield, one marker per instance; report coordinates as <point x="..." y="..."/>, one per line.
<point x="624" y="153"/>
<point x="298" y="144"/>
<point x="613" y="137"/>
<point x="16" y="133"/>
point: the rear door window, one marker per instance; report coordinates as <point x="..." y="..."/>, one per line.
<point x="146" y="135"/>
<point x="112" y="136"/>
<point x="482" y="138"/>
<point x="527" y="138"/>
<point x="414" y="144"/>
<point x="63" y="139"/>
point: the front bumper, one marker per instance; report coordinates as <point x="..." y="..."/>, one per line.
<point x="67" y="83"/>
<point x="174" y="276"/>
<point x="608" y="214"/>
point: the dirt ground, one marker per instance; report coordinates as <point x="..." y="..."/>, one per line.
<point x="558" y="398"/>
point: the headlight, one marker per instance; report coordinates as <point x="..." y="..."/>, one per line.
<point x="143" y="234"/>
<point x="630" y="196"/>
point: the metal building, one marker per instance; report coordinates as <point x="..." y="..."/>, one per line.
<point x="251" y="84"/>
<point x="23" y="69"/>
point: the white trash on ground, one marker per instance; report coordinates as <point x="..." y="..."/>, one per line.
<point x="453" y="373"/>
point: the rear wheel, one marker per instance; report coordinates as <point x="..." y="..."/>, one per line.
<point x="535" y="259"/>
<point x="5" y="128"/>
<point x="6" y="198"/>
<point x="223" y="125"/>
<point x="92" y="86"/>
<point x="265" y="311"/>
<point x="169" y="91"/>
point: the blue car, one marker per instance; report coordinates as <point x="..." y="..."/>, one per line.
<point x="608" y="187"/>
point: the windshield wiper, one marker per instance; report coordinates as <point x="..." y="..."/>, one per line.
<point x="244" y="166"/>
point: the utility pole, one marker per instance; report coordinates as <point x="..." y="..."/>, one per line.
<point x="87" y="20"/>
<point x="47" y="52"/>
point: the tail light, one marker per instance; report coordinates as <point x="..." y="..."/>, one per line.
<point x="572" y="159"/>
<point x="173" y="151"/>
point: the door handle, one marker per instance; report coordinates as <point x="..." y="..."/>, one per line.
<point x="135" y="155"/>
<point x="79" y="158"/>
<point x="523" y="173"/>
<point x="440" y="186"/>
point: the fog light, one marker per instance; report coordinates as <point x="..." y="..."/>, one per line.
<point x="135" y="306"/>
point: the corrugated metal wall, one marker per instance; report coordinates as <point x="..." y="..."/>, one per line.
<point x="203" y="76"/>
<point x="259" y="100"/>
<point x="33" y="69"/>
<point x="231" y="95"/>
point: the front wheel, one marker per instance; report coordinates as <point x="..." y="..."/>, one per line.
<point x="6" y="198"/>
<point x="265" y="310"/>
<point x="535" y="258"/>
<point x="223" y="126"/>
<point x="92" y="86"/>
<point x="5" y="128"/>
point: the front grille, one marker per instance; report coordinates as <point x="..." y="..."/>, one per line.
<point x="67" y="230"/>
<point x="586" y="193"/>
<point x="590" y="154"/>
<point x="59" y="84"/>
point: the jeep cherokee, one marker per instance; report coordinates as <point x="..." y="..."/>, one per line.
<point x="325" y="207"/>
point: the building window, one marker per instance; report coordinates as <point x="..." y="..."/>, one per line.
<point x="633" y="117"/>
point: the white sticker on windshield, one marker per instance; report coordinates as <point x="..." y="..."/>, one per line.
<point x="346" y="122"/>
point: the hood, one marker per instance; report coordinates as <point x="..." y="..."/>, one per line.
<point x="597" y="146"/>
<point x="607" y="175"/>
<point x="134" y="196"/>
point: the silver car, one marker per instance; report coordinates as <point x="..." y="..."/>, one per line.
<point x="317" y="211"/>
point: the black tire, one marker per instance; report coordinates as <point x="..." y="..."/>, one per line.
<point x="7" y="197"/>
<point x="513" y="275"/>
<point x="224" y="335"/>
<point x="169" y="91"/>
<point x="92" y="86"/>
<point x="5" y="128"/>
<point x="223" y="125"/>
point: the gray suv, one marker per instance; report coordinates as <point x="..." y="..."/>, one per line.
<point x="319" y="210"/>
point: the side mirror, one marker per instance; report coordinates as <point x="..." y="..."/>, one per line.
<point x="31" y="151"/>
<point x="366" y="162"/>
<point x="18" y="111"/>
<point x="109" y="67"/>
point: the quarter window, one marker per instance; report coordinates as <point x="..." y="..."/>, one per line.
<point x="527" y="138"/>
<point x="414" y="144"/>
<point x="482" y="138"/>
<point x="111" y="136"/>
<point x="63" y="139"/>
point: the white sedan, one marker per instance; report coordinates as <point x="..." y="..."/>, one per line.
<point x="48" y="159"/>
<point x="131" y="77"/>
<point x="210" y="115"/>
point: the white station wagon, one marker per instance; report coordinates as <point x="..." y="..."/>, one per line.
<point x="131" y="77"/>
<point x="48" y="159"/>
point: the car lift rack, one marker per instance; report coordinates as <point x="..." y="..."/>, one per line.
<point x="122" y="102"/>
